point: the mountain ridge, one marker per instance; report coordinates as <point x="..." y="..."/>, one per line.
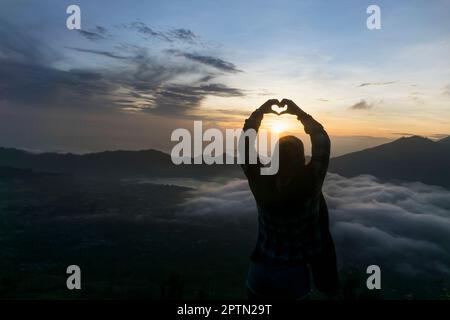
<point x="412" y="158"/>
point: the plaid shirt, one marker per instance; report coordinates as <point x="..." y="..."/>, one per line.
<point x="289" y="229"/>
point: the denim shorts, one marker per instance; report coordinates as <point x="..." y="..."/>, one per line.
<point x="267" y="281"/>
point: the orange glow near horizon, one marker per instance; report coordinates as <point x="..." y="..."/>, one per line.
<point x="336" y="124"/>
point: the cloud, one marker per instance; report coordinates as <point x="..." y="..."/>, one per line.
<point x="446" y="90"/>
<point x="184" y="35"/>
<point x="146" y="31"/>
<point x="92" y="36"/>
<point x="207" y="60"/>
<point x="101" y="53"/>
<point x="403" y="134"/>
<point x="172" y="35"/>
<point x="95" y="34"/>
<point x="174" y="96"/>
<point x="440" y="135"/>
<point x="404" y="228"/>
<point x="366" y="84"/>
<point x="18" y="47"/>
<point x="362" y="105"/>
<point x="231" y="198"/>
<point x="46" y="87"/>
<point x="141" y="80"/>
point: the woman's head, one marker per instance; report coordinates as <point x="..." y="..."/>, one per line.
<point x="291" y="154"/>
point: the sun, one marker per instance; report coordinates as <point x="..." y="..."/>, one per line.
<point x="278" y="126"/>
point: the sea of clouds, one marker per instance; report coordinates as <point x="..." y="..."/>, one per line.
<point x="402" y="227"/>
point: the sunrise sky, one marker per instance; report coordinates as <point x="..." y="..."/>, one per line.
<point x="139" y="69"/>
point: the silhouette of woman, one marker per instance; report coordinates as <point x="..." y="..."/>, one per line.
<point x="293" y="233"/>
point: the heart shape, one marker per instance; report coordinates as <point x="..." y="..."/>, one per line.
<point x="278" y="108"/>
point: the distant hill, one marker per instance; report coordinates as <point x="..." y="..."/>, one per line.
<point x="410" y="159"/>
<point x="445" y="140"/>
<point x="144" y="163"/>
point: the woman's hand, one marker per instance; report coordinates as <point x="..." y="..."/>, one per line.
<point x="292" y="108"/>
<point x="267" y="106"/>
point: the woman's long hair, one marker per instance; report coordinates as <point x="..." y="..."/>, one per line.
<point x="292" y="174"/>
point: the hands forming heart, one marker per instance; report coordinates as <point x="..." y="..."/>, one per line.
<point x="280" y="107"/>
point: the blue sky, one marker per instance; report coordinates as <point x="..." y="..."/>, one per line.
<point x="151" y="66"/>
